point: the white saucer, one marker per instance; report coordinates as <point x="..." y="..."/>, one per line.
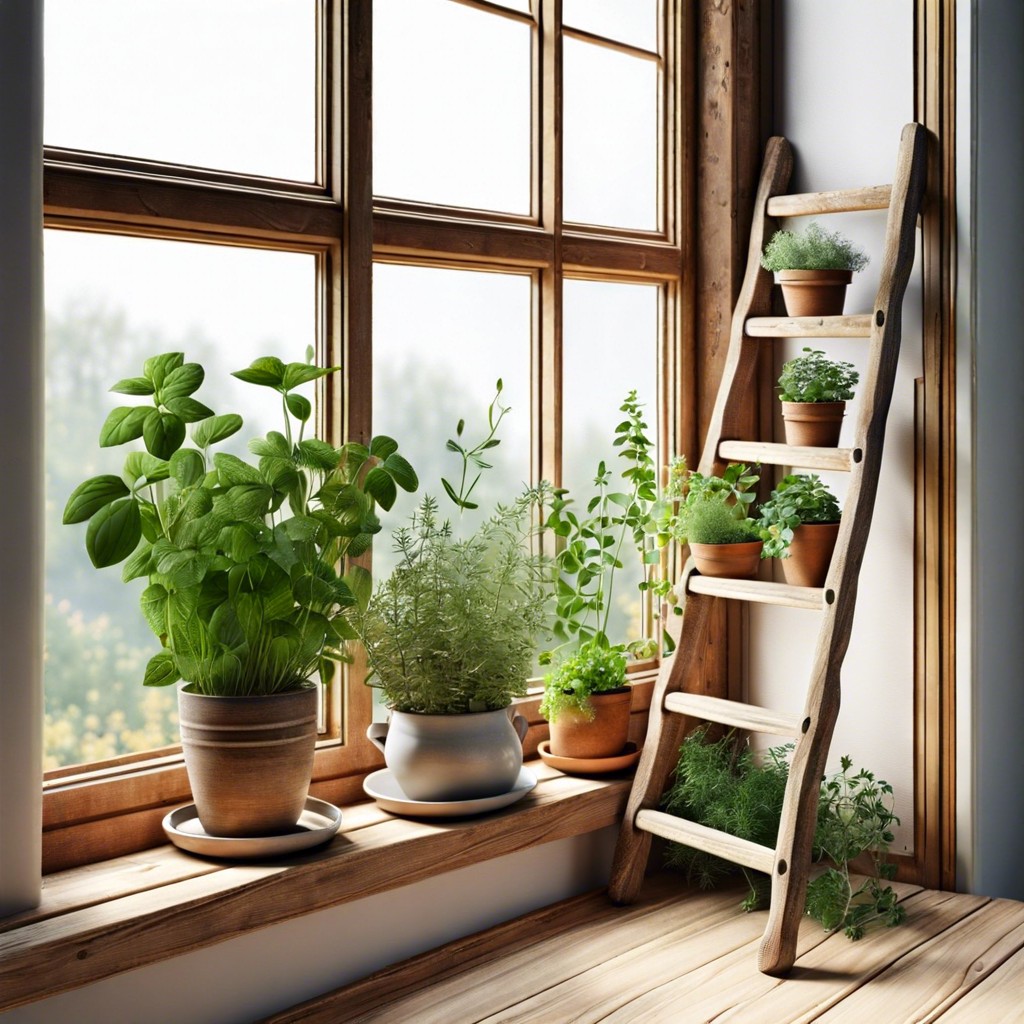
<point x="381" y="785"/>
<point x="317" y="823"/>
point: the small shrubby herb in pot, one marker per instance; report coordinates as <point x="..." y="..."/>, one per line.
<point x="800" y="522"/>
<point x="813" y="267"/>
<point x="814" y="391"/>
<point x="250" y="592"/>
<point x="713" y="519"/>
<point x="451" y="635"/>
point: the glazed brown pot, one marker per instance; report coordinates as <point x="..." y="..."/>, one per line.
<point x="813" y="424"/>
<point x="734" y="561"/>
<point x="249" y="759"/>
<point x="573" y="735"/>
<point x="814" y="292"/>
<point x="810" y="554"/>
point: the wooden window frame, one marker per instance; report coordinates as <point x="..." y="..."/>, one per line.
<point x="115" y="808"/>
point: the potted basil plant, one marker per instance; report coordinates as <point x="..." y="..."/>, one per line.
<point x="249" y="592"/>
<point x="813" y="267"/>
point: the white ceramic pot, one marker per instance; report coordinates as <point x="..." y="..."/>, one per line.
<point x="452" y="757"/>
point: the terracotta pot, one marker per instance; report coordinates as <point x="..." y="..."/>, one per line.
<point x="734" y="561"/>
<point x="249" y="759"/>
<point x="813" y="424"/>
<point x="810" y="554"/>
<point x="452" y="757"/>
<point x="574" y="735"/>
<point x="814" y="292"/>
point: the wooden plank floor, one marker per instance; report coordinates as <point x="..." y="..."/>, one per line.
<point x="680" y="955"/>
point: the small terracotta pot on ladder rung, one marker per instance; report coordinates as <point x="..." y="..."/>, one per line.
<point x="814" y="292"/>
<point x="813" y="424"/>
<point x="810" y="554"/>
<point x="730" y="561"/>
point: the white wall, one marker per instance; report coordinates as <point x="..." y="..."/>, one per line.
<point x="843" y="112"/>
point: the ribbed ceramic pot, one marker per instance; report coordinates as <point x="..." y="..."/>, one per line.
<point x="810" y="554"/>
<point x="814" y="292"/>
<point x="452" y="757"/>
<point x="574" y="735"/>
<point x="733" y="561"/>
<point x="249" y="759"/>
<point x="813" y="424"/>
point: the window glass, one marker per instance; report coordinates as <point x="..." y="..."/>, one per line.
<point x="228" y="85"/>
<point x="441" y="340"/>
<point x="611" y="137"/>
<point x="626" y="21"/>
<point x="451" y="106"/>
<point x="610" y="347"/>
<point x="112" y="301"/>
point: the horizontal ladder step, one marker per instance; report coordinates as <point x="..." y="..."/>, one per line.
<point x="710" y="840"/>
<point x="839" y="459"/>
<point x="813" y="598"/>
<point x="857" y="325"/>
<point x="734" y="713"/>
<point x="851" y="200"/>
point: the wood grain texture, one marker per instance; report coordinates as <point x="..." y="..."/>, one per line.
<point x="79" y="938"/>
<point x="770" y="453"/>
<point x="682" y="955"/>
<point x="857" y="325"/>
<point x="851" y="200"/>
<point x="733" y="713"/>
<point x="709" y="840"/>
<point x="759" y="592"/>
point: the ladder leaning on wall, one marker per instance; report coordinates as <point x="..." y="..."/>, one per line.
<point x="789" y="863"/>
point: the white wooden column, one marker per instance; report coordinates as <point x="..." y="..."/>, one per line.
<point x="21" y="452"/>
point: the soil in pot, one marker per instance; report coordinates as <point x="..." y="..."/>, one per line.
<point x="574" y="735"/>
<point x="249" y="759"/>
<point x="814" y="292"/>
<point x="813" y="424"/>
<point x="810" y="554"/>
<point x="733" y="561"/>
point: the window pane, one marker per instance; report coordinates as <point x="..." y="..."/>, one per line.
<point x="228" y="85"/>
<point x="628" y="21"/>
<point x="611" y="137"/>
<point x="441" y="339"/>
<point x="451" y="111"/>
<point x="610" y="348"/>
<point x="111" y="302"/>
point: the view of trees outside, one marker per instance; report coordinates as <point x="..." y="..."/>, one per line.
<point x="112" y="302"/>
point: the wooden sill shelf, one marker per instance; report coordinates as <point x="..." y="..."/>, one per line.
<point x="100" y="920"/>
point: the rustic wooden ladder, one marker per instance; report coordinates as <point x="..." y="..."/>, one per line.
<point x="789" y="863"/>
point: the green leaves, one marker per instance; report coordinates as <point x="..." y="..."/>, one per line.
<point x="814" y="378"/>
<point x="113" y="532"/>
<point x="242" y="560"/>
<point x="92" y="495"/>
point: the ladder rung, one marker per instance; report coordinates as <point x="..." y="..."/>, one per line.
<point x="710" y="840"/>
<point x="857" y="325"/>
<point x="814" y="598"/>
<point x="734" y="713"/>
<point x="839" y="459"/>
<point x="850" y="200"/>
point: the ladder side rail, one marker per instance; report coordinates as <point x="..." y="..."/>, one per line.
<point x="796" y="831"/>
<point x="754" y="298"/>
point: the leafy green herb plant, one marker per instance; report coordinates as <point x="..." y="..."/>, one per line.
<point x="248" y="589"/>
<point x="815" y="378"/>
<point x="454" y="628"/>
<point x="724" y="785"/>
<point x="712" y="509"/>
<point x="592" y="546"/>
<point x="799" y="498"/>
<point x="812" y="249"/>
